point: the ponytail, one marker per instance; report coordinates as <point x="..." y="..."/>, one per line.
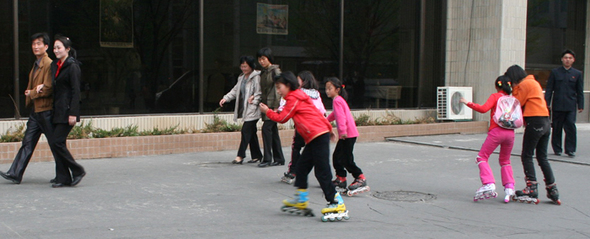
<point x="67" y="44"/>
<point x="504" y="83"/>
<point x="338" y="84"/>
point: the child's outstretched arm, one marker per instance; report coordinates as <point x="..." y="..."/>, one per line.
<point x="481" y="108"/>
<point x="287" y="113"/>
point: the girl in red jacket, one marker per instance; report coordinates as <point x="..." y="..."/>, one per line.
<point x="496" y="136"/>
<point x="315" y="131"/>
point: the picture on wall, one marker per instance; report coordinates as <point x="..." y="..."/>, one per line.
<point x="116" y="23"/>
<point x="272" y="19"/>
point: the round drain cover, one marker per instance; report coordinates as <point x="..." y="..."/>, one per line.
<point x="404" y="196"/>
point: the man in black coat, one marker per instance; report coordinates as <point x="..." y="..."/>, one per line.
<point x="566" y="87"/>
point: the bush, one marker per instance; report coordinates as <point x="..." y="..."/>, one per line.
<point x="14" y="136"/>
<point x="220" y="125"/>
<point x="390" y="119"/>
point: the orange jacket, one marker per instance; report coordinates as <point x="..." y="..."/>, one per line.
<point x="530" y="95"/>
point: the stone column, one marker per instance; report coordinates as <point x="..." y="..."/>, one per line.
<point x="587" y="54"/>
<point x="484" y="38"/>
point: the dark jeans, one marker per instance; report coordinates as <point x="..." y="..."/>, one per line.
<point x="249" y="137"/>
<point x="64" y="162"/>
<point x="272" y="142"/>
<point x="37" y="124"/>
<point x="535" y="141"/>
<point x="343" y="159"/>
<point x="316" y="154"/>
<point x="564" y="121"/>
<point x="298" y="143"/>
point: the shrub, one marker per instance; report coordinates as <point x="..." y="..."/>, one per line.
<point x="14" y="136"/>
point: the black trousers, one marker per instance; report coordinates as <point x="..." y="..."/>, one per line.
<point x="564" y="121"/>
<point x="37" y="124"/>
<point x="316" y="154"/>
<point x="272" y="142"/>
<point x="535" y="142"/>
<point x="64" y="162"/>
<point x="298" y="143"/>
<point x="343" y="158"/>
<point x="249" y="137"/>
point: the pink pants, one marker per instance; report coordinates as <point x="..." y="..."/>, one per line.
<point x="504" y="138"/>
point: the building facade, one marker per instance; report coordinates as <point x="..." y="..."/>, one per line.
<point x="181" y="56"/>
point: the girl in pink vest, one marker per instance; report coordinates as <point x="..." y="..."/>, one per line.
<point x="343" y="159"/>
<point x="497" y="136"/>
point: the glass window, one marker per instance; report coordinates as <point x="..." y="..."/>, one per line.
<point x="552" y="27"/>
<point x="139" y="57"/>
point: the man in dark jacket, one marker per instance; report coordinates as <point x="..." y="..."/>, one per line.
<point x="269" y="96"/>
<point x="565" y="86"/>
<point x="39" y="96"/>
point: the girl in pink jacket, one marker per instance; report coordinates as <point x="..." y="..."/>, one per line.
<point x="343" y="159"/>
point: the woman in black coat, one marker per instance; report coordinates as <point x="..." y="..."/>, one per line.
<point x="66" y="112"/>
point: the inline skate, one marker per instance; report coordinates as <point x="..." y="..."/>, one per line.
<point x="340" y="184"/>
<point x="298" y="205"/>
<point x="509" y="190"/>
<point x="553" y="194"/>
<point x="486" y="191"/>
<point x="529" y="194"/>
<point x="288" y="178"/>
<point x="359" y="185"/>
<point x="335" y="211"/>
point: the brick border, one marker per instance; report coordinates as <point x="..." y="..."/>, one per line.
<point x="201" y="142"/>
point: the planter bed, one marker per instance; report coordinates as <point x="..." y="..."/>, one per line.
<point x="200" y="142"/>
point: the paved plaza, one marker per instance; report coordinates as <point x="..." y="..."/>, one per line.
<point x="202" y="195"/>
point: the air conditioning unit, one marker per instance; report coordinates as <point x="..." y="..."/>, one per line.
<point x="449" y="106"/>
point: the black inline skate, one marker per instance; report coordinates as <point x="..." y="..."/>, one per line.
<point x="553" y="194"/>
<point x="529" y="194"/>
<point x="340" y="184"/>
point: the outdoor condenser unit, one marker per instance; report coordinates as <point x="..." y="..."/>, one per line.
<point x="449" y="106"/>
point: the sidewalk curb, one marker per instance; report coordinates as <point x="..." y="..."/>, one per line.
<point x="475" y="150"/>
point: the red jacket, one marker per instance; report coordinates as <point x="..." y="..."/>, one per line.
<point x="309" y="122"/>
<point x="489" y="105"/>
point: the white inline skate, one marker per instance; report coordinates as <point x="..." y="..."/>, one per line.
<point x="288" y="178"/>
<point x="509" y="194"/>
<point x="358" y="186"/>
<point x="336" y="210"/>
<point x="298" y="205"/>
<point x="486" y="191"/>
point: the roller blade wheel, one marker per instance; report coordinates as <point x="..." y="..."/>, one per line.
<point x="358" y="191"/>
<point x="301" y="212"/>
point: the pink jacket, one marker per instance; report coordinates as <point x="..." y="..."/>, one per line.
<point x="344" y="120"/>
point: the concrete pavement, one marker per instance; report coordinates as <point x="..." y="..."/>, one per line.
<point x="202" y="195"/>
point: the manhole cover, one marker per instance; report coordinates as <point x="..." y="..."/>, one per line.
<point x="404" y="196"/>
